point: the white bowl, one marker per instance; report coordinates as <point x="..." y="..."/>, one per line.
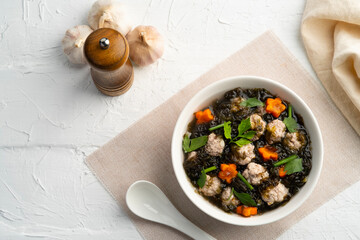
<point x="216" y="90"/>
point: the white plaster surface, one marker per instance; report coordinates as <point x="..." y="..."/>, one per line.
<point x="52" y="116"/>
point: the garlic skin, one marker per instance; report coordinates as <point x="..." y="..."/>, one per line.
<point x="146" y="45"/>
<point x="73" y="43"/>
<point x="109" y="14"/>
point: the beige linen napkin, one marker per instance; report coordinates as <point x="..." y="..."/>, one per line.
<point x="143" y="150"/>
<point x="331" y="35"/>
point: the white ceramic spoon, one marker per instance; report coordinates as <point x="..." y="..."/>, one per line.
<point x="147" y="201"/>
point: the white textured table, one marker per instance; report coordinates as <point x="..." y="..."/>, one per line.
<point x="52" y="116"/>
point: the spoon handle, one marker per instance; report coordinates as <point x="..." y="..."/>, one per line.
<point x="184" y="225"/>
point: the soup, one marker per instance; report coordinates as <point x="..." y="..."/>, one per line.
<point x="248" y="152"/>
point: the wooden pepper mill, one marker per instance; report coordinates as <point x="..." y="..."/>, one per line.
<point x="107" y="52"/>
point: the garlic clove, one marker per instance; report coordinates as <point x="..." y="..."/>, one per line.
<point x="109" y="14"/>
<point x="146" y="45"/>
<point x="73" y="43"/>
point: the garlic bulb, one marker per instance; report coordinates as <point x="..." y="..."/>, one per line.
<point x="108" y="14"/>
<point x="73" y="43"/>
<point x="146" y="45"/>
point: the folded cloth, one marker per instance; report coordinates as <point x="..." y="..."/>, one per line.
<point x="331" y="35"/>
<point x="143" y="151"/>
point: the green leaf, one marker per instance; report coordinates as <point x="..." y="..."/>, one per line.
<point x="201" y="181"/>
<point x="242" y="142"/>
<point x="290" y="122"/>
<point x="293" y="166"/>
<point x="186" y="144"/>
<point x="244" y="126"/>
<point x="198" y="142"/>
<point x="227" y="130"/>
<point x="245" y="199"/>
<point x="190" y="145"/>
<point x="251" y="102"/>
<point x="249" y="135"/>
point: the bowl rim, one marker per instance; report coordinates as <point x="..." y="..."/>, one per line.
<point x="194" y="197"/>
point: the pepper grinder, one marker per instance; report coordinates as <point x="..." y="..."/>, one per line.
<point x="107" y="52"/>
